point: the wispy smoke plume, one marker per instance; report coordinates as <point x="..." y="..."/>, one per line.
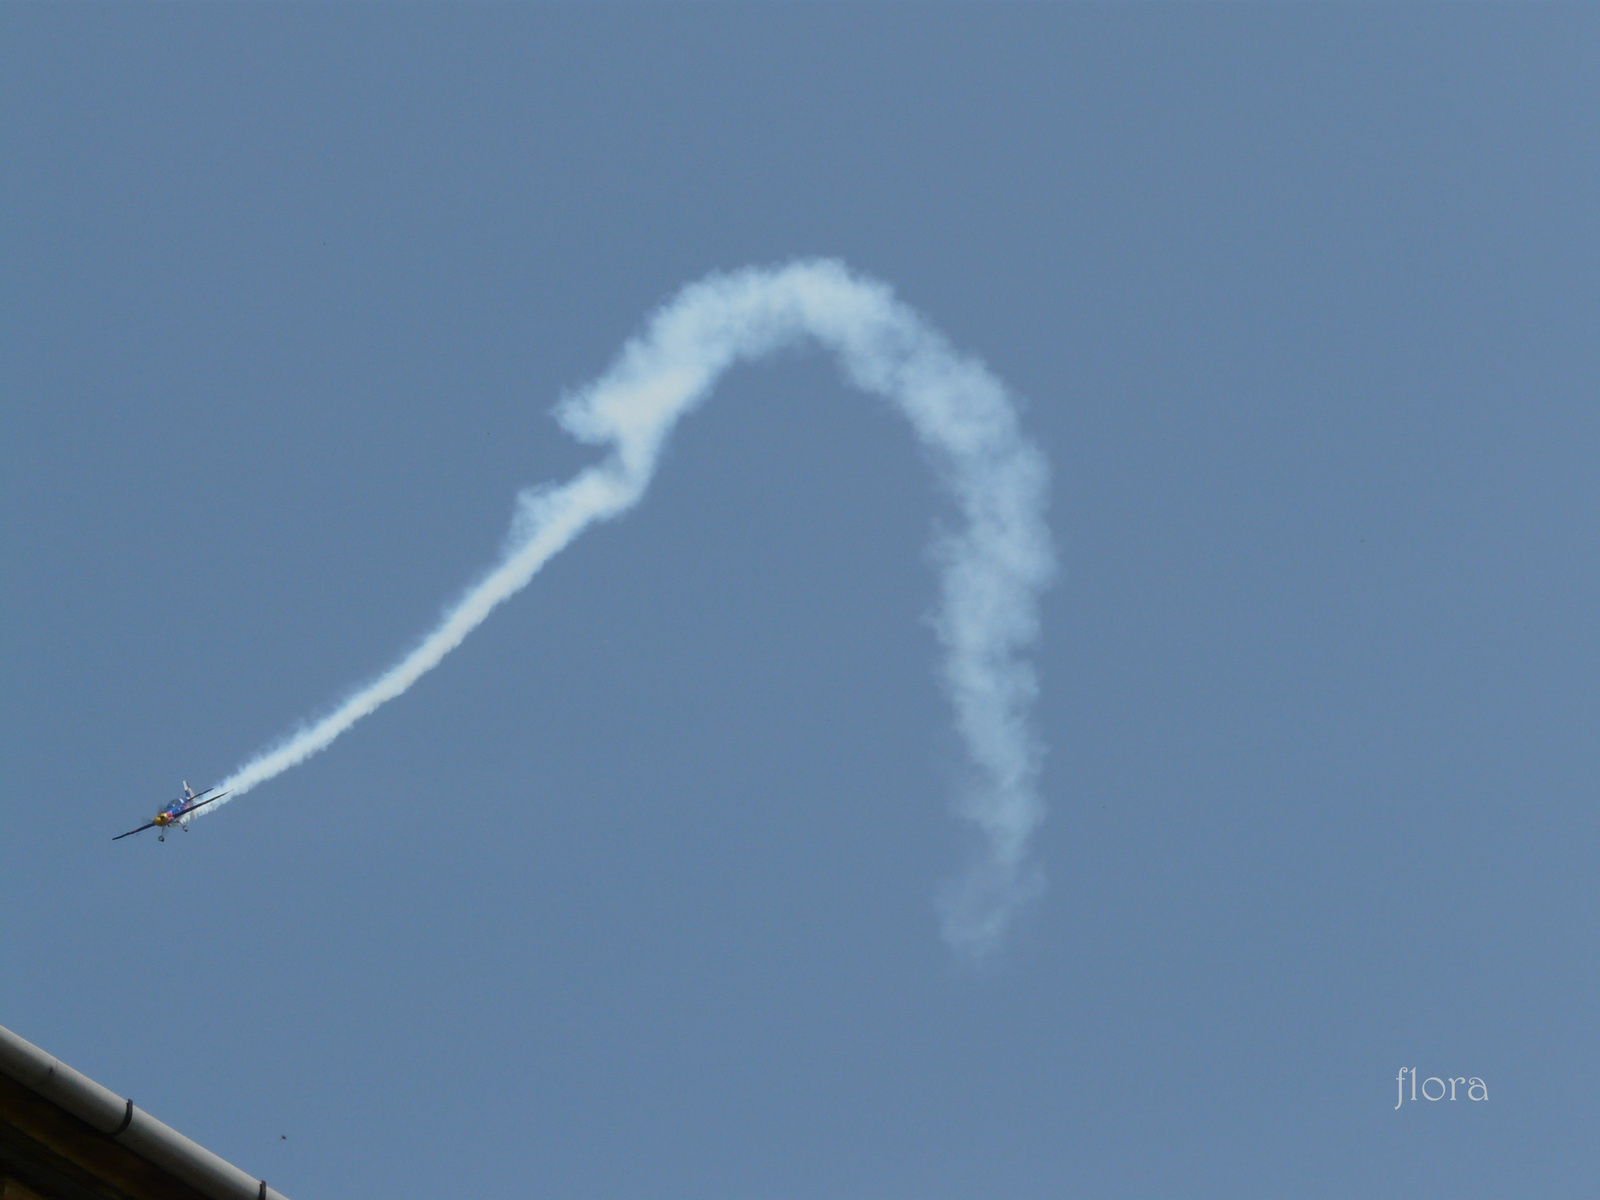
<point x="992" y="569"/>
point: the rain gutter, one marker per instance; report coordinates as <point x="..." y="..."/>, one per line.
<point x="126" y="1124"/>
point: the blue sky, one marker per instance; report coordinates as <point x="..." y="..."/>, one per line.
<point x="634" y="896"/>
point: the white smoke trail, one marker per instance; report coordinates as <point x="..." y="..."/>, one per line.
<point x="992" y="570"/>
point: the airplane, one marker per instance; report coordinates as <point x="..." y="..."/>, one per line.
<point x="176" y="812"/>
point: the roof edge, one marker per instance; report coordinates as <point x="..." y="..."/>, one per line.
<point x="103" y="1110"/>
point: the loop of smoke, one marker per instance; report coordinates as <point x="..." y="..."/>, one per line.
<point x="991" y="571"/>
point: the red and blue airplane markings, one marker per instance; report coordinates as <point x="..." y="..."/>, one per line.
<point x="175" y="812"/>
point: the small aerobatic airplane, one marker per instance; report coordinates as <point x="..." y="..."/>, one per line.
<point x="175" y="812"/>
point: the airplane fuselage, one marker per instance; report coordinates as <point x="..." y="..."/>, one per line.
<point x="174" y="813"/>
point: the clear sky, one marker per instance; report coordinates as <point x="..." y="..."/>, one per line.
<point x="634" y="896"/>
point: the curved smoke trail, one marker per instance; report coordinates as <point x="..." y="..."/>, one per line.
<point x="991" y="571"/>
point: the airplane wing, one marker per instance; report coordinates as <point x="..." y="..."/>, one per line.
<point x="131" y="832"/>
<point x="203" y="803"/>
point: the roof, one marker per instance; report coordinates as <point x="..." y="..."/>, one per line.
<point x="64" y="1135"/>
